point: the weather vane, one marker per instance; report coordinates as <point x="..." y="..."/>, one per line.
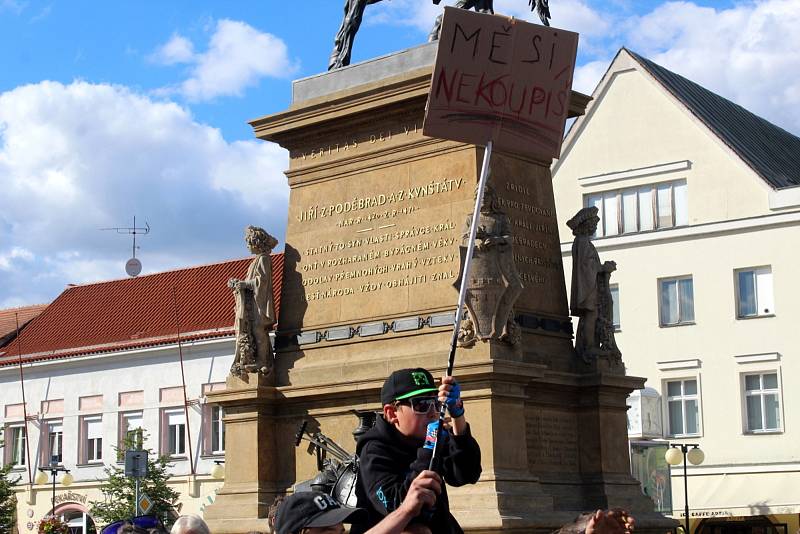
<point x="133" y="266"/>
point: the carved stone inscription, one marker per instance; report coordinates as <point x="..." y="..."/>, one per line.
<point x="552" y="441"/>
<point x="381" y="243"/>
<point x="525" y="194"/>
<point x="357" y="141"/>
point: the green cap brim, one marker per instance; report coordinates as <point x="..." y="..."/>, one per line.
<point x="417" y="392"/>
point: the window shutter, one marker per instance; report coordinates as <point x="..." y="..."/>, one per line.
<point x="94" y="428"/>
<point x="610" y="213"/>
<point x="681" y="204"/>
<point x="134" y="421"/>
<point x="646" y="208"/>
<point x="176" y="418"/>
<point x="766" y="303"/>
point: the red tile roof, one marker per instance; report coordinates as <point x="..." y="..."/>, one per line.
<point x="136" y="312"/>
<point x="8" y="318"/>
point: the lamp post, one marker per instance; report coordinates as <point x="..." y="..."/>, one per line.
<point x="218" y="471"/>
<point x="681" y="452"/>
<point x="54" y="469"/>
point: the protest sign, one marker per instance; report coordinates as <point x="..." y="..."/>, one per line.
<point x="501" y="79"/>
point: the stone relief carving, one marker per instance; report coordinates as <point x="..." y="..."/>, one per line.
<point x="590" y="296"/>
<point x="255" y="307"/>
<point x="494" y="284"/>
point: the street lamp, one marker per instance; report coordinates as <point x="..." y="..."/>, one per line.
<point x="54" y="469"/>
<point x="680" y="452"/>
<point x="218" y="471"/>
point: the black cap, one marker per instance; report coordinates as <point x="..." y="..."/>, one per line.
<point x="308" y="509"/>
<point x="406" y="383"/>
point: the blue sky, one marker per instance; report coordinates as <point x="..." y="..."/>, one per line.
<point x="115" y="109"/>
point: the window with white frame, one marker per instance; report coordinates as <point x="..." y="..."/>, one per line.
<point x="174" y="432"/>
<point x="16" y="440"/>
<point x="92" y="428"/>
<point x="754" y="292"/>
<point x="217" y="434"/>
<point x="762" y="402"/>
<point x="131" y="428"/>
<point x="54" y="452"/>
<point x="640" y="209"/>
<point x="683" y="407"/>
<point x="615" y="305"/>
<point x="676" y="301"/>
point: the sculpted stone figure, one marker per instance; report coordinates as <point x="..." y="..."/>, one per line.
<point x="354" y="12"/>
<point x="255" y="309"/>
<point x="494" y="284"/>
<point x="590" y="298"/>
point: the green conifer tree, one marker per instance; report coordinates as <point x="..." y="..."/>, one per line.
<point x="8" y="498"/>
<point x="119" y="491"/>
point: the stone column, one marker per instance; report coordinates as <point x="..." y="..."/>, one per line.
<point x="243" y="502"/>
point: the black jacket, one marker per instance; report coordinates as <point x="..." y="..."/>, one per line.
<point x="391" y="461"/>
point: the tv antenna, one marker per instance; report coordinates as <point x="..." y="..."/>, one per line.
<point x="133" y="266"/>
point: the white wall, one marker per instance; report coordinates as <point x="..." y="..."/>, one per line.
<point x="108" y="375"/>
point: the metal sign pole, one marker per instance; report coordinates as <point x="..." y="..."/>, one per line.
<point x="462" y="292"/>
<point x="137" y="499"/>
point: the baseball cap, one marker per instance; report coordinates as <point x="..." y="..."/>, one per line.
<point x="406" y="383"/>
<point x="308" y="509"/>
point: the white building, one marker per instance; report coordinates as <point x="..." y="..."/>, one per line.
<point x="103" y="359"/>
<point x="699" y="202"/>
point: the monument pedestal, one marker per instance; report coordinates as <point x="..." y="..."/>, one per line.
<point x="376" y="216"/>
<point x="243" y="502"/>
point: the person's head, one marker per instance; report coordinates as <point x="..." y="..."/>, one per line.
<point x="409" y="398"/>
<point x="130" y="528"/>
<point x="190" y="524"/>
<point x="314" y="512"/>
<point x="258" y="240"/>
<point x="143" y="524"/>
<point x="491" y="202"/>
<point x="584" y="222"/>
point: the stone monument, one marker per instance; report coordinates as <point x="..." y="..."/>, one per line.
<point x="255" y="308"/>
<point x="372" y="251"/>
<point x="591" y="299"/>
<point x="494" y="284"/>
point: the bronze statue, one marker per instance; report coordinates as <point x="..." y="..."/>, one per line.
<point x="487" y="6"/>
<point x="255" y="307"/>
<point x="494" y="284"/>
<point x="354" y="12"/>
<point x="590" y="295"/>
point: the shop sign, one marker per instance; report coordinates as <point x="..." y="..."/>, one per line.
<point x="70" y="496"/>
<point x="708" y="513"/>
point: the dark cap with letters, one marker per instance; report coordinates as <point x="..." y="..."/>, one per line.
<point x="407" y="383"/>
<point x="308" y="509"/>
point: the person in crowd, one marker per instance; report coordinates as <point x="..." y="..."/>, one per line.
<point x="190" y="524"/>
<point x="314" y="512"/>
<point x="400" y="445"/>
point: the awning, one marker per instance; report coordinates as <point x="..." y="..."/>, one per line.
<point x="737" y="494"/>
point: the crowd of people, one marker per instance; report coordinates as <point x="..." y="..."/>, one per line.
<point x="397" y="490"/>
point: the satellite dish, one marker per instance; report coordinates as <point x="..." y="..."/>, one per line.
<point x="133" y="267"/>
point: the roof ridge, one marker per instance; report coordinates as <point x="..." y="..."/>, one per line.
<point x="27" y="306"/>
<point x="168" y="271"/>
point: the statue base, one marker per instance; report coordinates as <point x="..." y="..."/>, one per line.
<point x="242" y="504"/>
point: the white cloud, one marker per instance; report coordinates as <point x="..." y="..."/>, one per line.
<point x="16" y="254"/>
<point x="178" y="49"/>
<point x="588" y="75"/>
<point x="76" y="158"/>
<point x="238" y="57"/>
<point x="574" y="15"/>
<point x="747" y="53"/>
